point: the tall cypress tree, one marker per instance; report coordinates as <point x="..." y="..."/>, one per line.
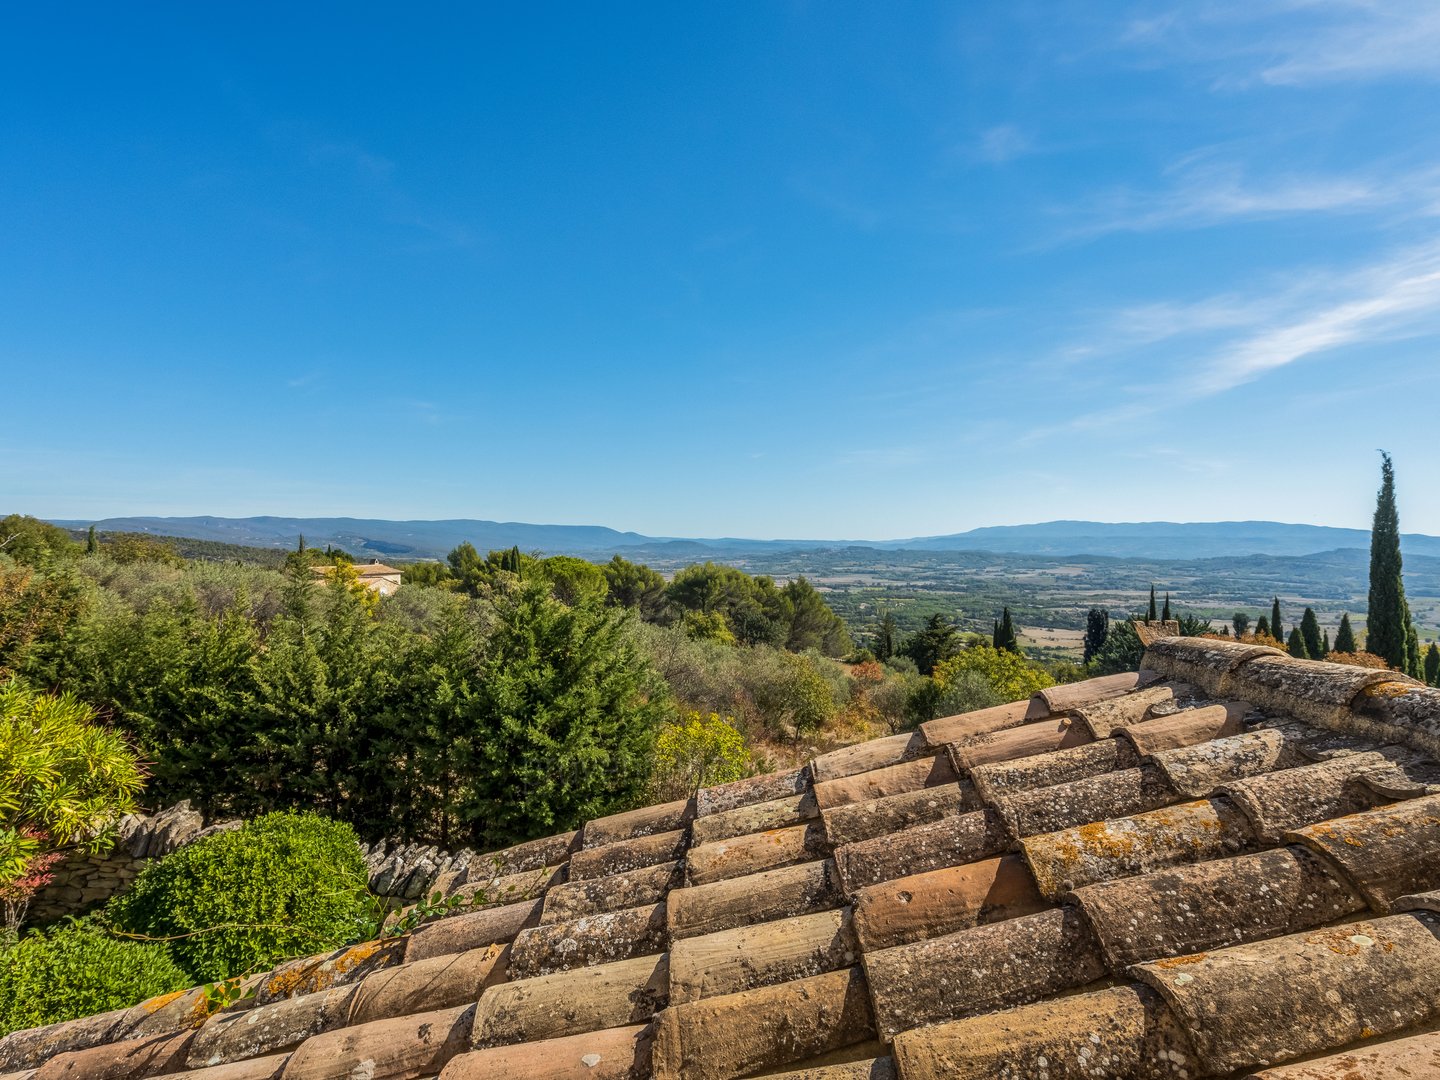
<point x="1277" y="631"/>
<point x="1326" y="642"/>
<point x="1296" y="645"/>
<point x="1310" y="631"/>
<point x="1005" y="634"/>
<point x="1152" y="615"/>
<point x="1165" y="615"/>
<point x="1432" y="665"/>
<point x="1414" y="666"/>
<point x="1388" y="620"/>
<point x="1345" y="636"/>
<point x="1097" y="628"/>
<point x="885" y="637"/>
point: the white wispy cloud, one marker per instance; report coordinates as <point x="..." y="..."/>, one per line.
<point x="1298" y="42"/>
<point x="1235" y="339"/>
<point x="1002" y="143"/>
<point x="1206" y="194"/>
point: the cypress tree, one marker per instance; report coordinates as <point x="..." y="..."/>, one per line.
<point x="995" y="634"/>
<point x="1296" y="645"/>
<point x="1277" y="631"/>
<point x="1310" y="631"/>
<point x="1432" y="665"/>
<point x="1005" y="634"/>
<point x="1165" y="615"/>
<point x="1414" y="666"/>
<point x="1151" y="616"/>
<point x="1327" y="642"/>
<point x="300" y="547"/>
<point x="885" y="637"/>
<point x="1345" y="636"/>
<point x="1388" y="620"/>
<point x="1262" y="625"/>
<point x="1241" y="622"/>
<point x="92" y="545"/>
<point x="1097" y="629"/>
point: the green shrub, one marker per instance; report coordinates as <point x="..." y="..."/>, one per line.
<point x="283" y="885"/>
<point x="77" y="969"/>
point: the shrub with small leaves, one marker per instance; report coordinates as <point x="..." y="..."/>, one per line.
<point x="697" y="752"/>
<point x="283" y="885"/>
<point x="78" y="969"/>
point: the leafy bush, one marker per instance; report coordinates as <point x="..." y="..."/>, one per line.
<point x="77" y="969"/>
<point x="699" y="751"/>
<point x="283" y="885"/>
<point x="1008" y="673"/>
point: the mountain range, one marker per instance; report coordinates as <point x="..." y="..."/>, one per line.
<point x="410" y="540"/>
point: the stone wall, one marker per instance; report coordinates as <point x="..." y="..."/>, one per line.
<point x="398" y="872"/>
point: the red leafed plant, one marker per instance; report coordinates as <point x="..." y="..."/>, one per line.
<point x="15" y="896"/>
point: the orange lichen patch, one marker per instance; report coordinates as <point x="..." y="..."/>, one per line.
<point x="1350" y="940"/>
<point x="155" y="1004"/>
<point x="1180" y="961"/>
<point x="1387" y="689"/>
<point x="356" y="955"/>
<point x="286" y="982"/>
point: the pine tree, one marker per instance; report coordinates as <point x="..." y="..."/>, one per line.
<point x="1345" y="636"/>
<point x="1388" y="619"/>
<point x="1277" y="631"/>
<point x="1432" y="665"/>
<point x="1262" y="625"/>
<point x="1005" y="634"/>
<point x="92" y="545"/>
<point x="1296" y="645"/>
<point x="1165" y="615"/>
<point x="1151" y="616"/>
<point x="1310" y="631"/>
<point x="1097" y="628"/>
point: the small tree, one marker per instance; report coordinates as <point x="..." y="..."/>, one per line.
<point x="92" y="544"/>
<point x="1296" y="645"/>
<point x="1097" y="628"/>
<point x="1009" y="674"/>
<point x="1388" y="619"/>
<point x="1005" y="638"/>
<point x="65" y="781"/>
<point x="697" y="751"/>
<point x="886" y="637"/>
<point x="1151" y="615"/>
<point x="1310" y="631"/>
<point x="1277" y="631"/>
<point x="1241" y="622"/>
<point x="1262" y="626"/>
<point x="1345" y="636"/>
<point x="1165" y="614"/>
<point x="935" y="642"/>
<point x="1432" y="665"/>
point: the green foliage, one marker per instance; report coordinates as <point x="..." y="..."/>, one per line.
<point x="887" y="635"/>
<point x="1277" y="631"/>
<point x="564" y="711"/>
<point x="1193" y="626"/>
<point x="1262" y="626"/>
<point x="1122" y="651"/>
<point x="1310" y="631"/>
<point x="34" y="609"/>
<point x="1165" y="614"/>
<point x="698" y="751"/>
<point x="1345" y="636"/>
<point x="1004" y="636"/>
<point x="1151" y="615"/>
<point x="707" y="626"/>
<point x="811" y="624"/>
<point x="1241" y="622"/>
<point x="1432" y="665"/>
<point x="1097" y="628"/>
<point x="1008" y="673"/>
<point x="573" y="581"/>
<point x="800" y="701"/>
<point x="78" y="969"/>
<point x="434" y="574"/>
<point x="1296" y="644"/>
<point x="937" y="641"/>
<point x="35" y="543"/>
<point x="963" y="691"/>
<point x="637" y="587"/>
<point x="64" y="779"/>
<point x="753" y="607"/>
<point x="1388" y="621"/>
<point x="282" y="885"/>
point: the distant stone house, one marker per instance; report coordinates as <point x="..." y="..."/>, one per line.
<point x="374" y="575"/>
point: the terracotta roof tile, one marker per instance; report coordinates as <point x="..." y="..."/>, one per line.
<point x="1120" y="878"/>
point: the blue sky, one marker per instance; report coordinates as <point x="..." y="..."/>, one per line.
<point x="824" y="270"/>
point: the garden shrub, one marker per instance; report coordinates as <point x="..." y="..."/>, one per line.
<point x="283" y="885"/>
<point x="78" y="969"/>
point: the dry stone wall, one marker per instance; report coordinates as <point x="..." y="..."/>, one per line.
<point x="398" y="872"/>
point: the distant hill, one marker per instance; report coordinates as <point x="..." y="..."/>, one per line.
<point x="409" y="540"/>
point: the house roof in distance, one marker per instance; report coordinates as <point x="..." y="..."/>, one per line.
<point x="1227" y="864"/>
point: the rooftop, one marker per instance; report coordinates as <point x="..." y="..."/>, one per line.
<point x="1225" y="865"/>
